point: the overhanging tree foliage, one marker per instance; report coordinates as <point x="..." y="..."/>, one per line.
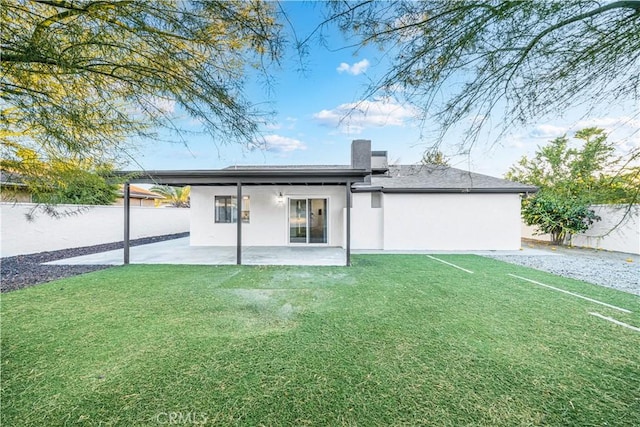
<point x="79" y="77"/>
<point x="461" y="61"/>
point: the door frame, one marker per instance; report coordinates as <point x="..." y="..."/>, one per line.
<point x="288" y="224"/>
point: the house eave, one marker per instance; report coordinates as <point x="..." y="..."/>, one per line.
<point x="246" y="177"/>
<point x="444" y="190"/>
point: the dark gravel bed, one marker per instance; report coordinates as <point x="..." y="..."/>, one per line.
<point x="21" y="271"/>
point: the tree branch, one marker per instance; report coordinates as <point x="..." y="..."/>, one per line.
<point x="72" y="10"/>
<point x="627" y="4"/>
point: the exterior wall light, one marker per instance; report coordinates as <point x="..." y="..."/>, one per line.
<point x="280" y="199"/>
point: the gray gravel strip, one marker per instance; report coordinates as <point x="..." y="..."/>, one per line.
<point x="611" y="269"/>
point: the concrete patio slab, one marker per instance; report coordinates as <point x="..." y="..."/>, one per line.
<point x="178" y="251"/>
<point x="525" y="251"/>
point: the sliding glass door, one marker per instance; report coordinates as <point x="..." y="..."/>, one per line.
<point x="307" y="220"/>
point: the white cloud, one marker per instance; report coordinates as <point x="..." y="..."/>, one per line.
<point x="163" y="105"/>
<point x="355" y="69"/>
<point x="610" y="123"/>
<point x="407" y="27"/>
<point x="516" y="141"/>
<point x="155" y="106"/>
<point x="273" y="126"/>
<point x="282" y="144"/>
<point x="356" y="116"/>
<point x="289" y="123"/>
<point x="547" y="131"/>
<point x="624" y="124"/>
<point x="624" y="131"/>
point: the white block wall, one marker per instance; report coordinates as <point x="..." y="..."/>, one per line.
<point x="91" y="226"/>
<point x="451" y="221"/>
<point x="602" y="235"/>
<point x="269" y="221"/>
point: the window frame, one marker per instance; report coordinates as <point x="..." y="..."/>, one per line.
<point x="231" y="204"/>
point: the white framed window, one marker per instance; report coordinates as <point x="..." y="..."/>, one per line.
<point x="226" y="209"/>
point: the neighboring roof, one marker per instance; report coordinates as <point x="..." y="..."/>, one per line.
<point x="136" y="192"/>
<point x="440" y="179"/>
<point x="247" y="175"/>
<point x="9" y="179"/>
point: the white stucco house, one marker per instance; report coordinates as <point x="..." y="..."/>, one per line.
<point x="366" y="204"/>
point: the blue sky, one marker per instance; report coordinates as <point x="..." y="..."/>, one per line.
<point x="310" y="125"/>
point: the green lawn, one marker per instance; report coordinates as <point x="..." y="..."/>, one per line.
<point x="394" y="340"/>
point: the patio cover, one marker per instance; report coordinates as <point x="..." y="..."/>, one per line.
<point x="247" y="175"/>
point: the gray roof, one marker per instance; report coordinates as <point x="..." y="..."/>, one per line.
<point x="399" y="178"/>
<point x="440" y="179"/>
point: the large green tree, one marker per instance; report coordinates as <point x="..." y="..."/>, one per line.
<point x="588" y="169"/>
<point x="82" y="77"/>
<point x="571" y="177"/>
<point x="560" y="217"/>
<point x="78" y="183"/>
<point x="478" y="63"/>
<point x="435" y="157"/>
<point x="73" y="180"/>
